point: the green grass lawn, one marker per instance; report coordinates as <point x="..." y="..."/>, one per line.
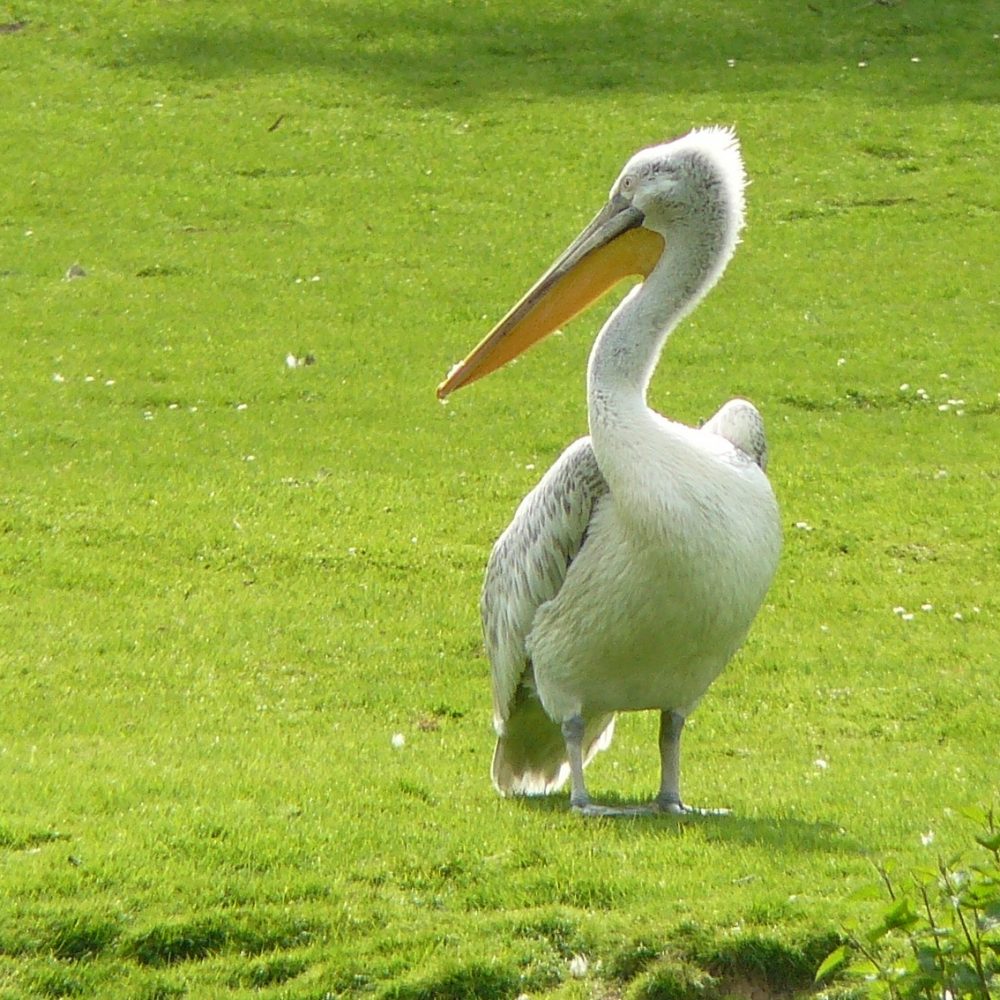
<point x="245" y="727"/>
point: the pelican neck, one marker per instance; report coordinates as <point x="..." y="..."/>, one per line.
<point x="628" y="348"/>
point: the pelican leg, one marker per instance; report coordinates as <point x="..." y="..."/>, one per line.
<point x="669" y="798"/>
<point x="572" y="730"/>
<point x="579" y="799"/>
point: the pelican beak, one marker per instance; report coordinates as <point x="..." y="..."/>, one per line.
<point x="614" y="246"/>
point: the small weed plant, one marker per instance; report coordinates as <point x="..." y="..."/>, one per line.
<point x="939" y="936"/>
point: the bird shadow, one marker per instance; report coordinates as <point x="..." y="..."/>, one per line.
<point x="778" y="832"/>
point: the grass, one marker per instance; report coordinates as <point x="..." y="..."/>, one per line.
<point x="227" y="584"/>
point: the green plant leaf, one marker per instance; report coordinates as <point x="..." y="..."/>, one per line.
<point x="978" y="815"/>
<point x="991" y="840"/>
<point x="866" y="893"/>
<point x="901" y="915"/>
<point x="832" y="963"/>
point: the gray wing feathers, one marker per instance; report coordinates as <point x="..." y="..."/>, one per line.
<point x="529" y="562"/>
<point x="741" y="424"/>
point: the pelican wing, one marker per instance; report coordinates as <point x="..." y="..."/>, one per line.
<point x="528" y="564"/>
<point x="741" y="424"/>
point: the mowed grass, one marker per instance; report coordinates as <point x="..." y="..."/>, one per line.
<point x="245" y="732"/>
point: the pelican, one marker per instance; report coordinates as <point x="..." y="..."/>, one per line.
<point x="632" y="572"/>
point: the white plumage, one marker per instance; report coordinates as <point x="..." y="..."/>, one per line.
<point x="631" y="574"/>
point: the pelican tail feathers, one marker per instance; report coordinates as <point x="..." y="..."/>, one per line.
<point x="530" y="755"/>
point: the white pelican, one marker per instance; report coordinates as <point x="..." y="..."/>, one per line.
<point x="631" y="573"/>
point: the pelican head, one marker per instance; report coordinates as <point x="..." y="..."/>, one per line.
<point x="687" y="192"/>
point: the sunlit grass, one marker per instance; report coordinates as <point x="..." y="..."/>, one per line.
<point x="230" y="585"/>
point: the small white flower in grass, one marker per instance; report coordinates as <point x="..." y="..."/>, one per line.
<point x="944" y="407"/>
<point x="841" y="362"/>
<point x="820" y="764"/>
<point x="109" y="381"/>
<point x="241" y="406"/>
<point x="899" y="610"/>
<point x="957" y="616"/>
<point x="941" y="474"/>
<point x="803" y="526"/>
<point x="730" y="63"/>
<point x="291" y="361"/>
<point x="914" y="59"/>
<point x="927" y="838"/>
<point x="926" y="607"/>
<point x="904" y="387"/>
<point x="88" y="378"/>
<point x="398" y="741"/>
<point x="56" y="377"/>
<point x="578" y="966"/>
<point x="908" y="617"/>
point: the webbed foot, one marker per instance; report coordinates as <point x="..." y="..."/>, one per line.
<point x="592" y="809"/>
<point x="674" y="807"/>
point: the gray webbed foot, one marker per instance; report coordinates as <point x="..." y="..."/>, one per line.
<point x="592" y="809"/>
<point x="674" y="807"/>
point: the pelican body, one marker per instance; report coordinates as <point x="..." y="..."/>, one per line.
<point x="631" y="574"/>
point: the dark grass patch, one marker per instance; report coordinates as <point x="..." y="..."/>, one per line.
<point x="11" y="840"/>
<point x="160" y="271"/>
<point x="57" y="981"/>
<point x="561" y="932"/>
<point x="476" y="981"/>
<point x="268" y="972"/>
<point x="781" y="965"/>
<point x="161" y="989"/>
<point x="69" y="937"/>
<point x="899" y="402"/>
<point x="694" y="963"/>
<point x="79" y="937"/>
<point x="194" y="940"/>
<point x="673" y="980"/>
<point x="416" y="791"/>
<point x="632" y="960"/>
<point x="768" y="964"/>
<point x="550" y="942"/>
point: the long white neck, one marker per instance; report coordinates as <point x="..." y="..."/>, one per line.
<point x="628" y="347"/>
